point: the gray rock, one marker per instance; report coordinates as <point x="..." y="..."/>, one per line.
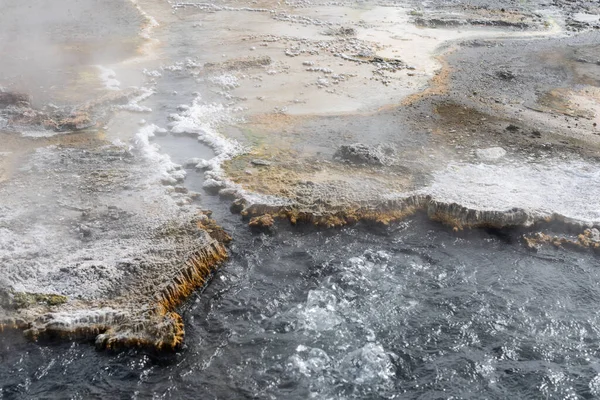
<point x="491" y="153"/>
<point x="262" y="163"/>
<point x="359" y="153"/>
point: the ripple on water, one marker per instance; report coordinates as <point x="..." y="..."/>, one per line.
<point x="353" y="313"/>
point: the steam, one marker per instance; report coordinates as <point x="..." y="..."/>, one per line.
<point x="45" y="49"/>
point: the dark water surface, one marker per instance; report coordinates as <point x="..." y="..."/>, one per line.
<point x="412" y="311"/>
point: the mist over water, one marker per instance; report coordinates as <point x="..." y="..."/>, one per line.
<point x="46" y="47"/>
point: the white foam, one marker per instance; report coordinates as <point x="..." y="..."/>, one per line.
<point x="594" y="385"/>
<point x="314" y="362"/>
<point x="370" y="364"/>
<point x="166" y="170"/>
<point x="226" y="81"/>
<point x="134" y="106"/>
<point x="320" y="313"/>
<point x="203" y="120"/>
<point x="109" y="78"/>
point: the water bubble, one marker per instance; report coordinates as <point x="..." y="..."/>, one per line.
<point x="595" y="385"/>
<point x="368" y="365"/>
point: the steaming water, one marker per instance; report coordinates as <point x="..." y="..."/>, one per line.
<point x="409" y="312"/>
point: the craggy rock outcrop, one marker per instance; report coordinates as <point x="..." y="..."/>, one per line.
<point x="385" y="212"/>
<point x="359" y="153"/>
<point x="444" y="14"/>
<point x="326" y="206"/>
<point x="239" y="64"/>
<point x="102" y="251"/>
<point x="16" y="113"/>
<point x="589" y="239"/>
<point x="262" y="222"/>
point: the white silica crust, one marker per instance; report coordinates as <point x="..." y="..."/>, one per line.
<point x="491" y="153"/>
<point x="108" y="78"/>
<point x="203" y="120"/>
<point x="80" y="228"/>
<point x="570" y="189"/>
<point x="166" y="170"/>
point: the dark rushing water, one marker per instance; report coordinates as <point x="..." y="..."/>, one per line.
<point x="410" y="312"/>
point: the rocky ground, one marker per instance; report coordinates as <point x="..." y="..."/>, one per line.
<point x="514" y="93"/>
<point x="91" y="246"/>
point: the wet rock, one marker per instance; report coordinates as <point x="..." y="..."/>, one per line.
<point x="75" y="122"/>
<point x="13" y="99"/>
<point x="237" y="206"/>
<point x="491" y="154"/>
<point x="214" y="230"/>
<point x="359" y="153"/>
<point x="180" y="189"/>
<point x="213" y="185"/>
<point x="260" y="162"/>
<point x="140" y="259"/>
<point x="342" y="31"/>
<point x="240" y="64"/>
<point x="263" y="222"/>
<point x="593" y="234"/>
<point x="21" y="116"/>
<point x="505" y="74"/>
<point x="228" y="193"/>
<point x="85" y="231"/>
<point x="535" y="134"/>
<point x="478" y="19"/>
<point x="588" y="240"/>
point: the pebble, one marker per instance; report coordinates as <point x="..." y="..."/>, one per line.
<point x="491" y="153"/>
